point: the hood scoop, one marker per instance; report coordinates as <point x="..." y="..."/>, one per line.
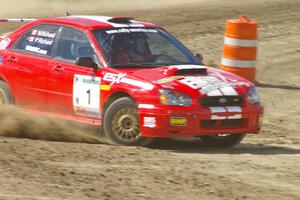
<point x="190" y="72"/>
<point x="185" y="70"/>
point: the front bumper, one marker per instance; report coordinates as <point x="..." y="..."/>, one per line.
<point x="183" y="122"/>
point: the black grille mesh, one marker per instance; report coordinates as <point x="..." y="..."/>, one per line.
<point x="215" y="101"/>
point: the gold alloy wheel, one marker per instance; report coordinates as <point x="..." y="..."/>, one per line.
<point x="2" y="98"/>
<point x="125" y="124"/>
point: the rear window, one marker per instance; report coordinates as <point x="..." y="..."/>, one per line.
<point x="38" y="40"/>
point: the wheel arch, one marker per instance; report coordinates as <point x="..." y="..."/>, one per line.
<point x="115" y="96"/>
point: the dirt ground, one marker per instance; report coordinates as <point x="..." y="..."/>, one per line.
<point x="264" y="166"/>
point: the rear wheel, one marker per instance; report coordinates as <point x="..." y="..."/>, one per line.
<point x="5" y="94"/>
<point x="223" y="140"/>
<point x="121" y="123"/>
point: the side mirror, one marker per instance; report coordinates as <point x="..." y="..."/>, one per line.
<point x="86" y="62"/>
<point x="199" y="57"/>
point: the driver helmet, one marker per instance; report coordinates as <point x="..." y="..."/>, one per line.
<point x="132" y="44"/>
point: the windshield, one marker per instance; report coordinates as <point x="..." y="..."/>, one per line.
<point x="140" y="47"/>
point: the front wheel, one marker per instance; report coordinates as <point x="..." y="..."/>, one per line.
<point x="121" y="123"/>
<point x="223" y="140"/>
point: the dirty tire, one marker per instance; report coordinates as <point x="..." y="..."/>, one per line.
<point x="221" y="141"/>
<point x="121" y="123"/>
<point x="5" y="94"/>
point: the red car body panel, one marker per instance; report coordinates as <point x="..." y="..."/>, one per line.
<point x="46" y="86"/>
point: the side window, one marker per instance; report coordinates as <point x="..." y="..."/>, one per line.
<point x="73" y="44"/>
<point x="38" y="40"/>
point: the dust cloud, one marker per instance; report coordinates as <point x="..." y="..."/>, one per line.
<point x="15" y="122"/>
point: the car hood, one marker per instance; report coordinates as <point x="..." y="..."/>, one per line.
<point x="194" y="80"/>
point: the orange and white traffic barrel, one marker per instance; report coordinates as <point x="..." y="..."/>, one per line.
<point x="240" y="47"/>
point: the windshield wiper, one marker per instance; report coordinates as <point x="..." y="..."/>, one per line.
<point x="169" y="64"/>
<point x="134" y="65"/>
<point x="147" y="65"/>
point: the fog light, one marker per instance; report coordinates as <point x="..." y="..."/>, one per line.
<point x="178" y="121"/>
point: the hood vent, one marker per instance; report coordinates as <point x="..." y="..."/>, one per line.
<point x="190" y="72"/>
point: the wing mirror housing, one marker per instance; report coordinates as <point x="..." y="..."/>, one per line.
<point x="87" y="62"/>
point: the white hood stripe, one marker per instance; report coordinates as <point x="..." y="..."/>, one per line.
<point x="229" y="91"/>
<point x="141" y="84"/>
<point x="215" y="93"/>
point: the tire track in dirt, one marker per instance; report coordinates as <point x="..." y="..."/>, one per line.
<point x="17" y="123"/>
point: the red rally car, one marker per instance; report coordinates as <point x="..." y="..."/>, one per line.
<point x="130" y="77"/>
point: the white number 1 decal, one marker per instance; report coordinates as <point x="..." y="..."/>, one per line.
<point x="86" y="95"/>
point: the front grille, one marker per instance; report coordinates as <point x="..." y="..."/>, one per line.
<point x="215" y="101"/>
<point x="225" y="123"/>
<point x="231" y="122"/>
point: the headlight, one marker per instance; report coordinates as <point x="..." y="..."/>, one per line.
<point x="253" y="96"/>
<point x="173" y="98"/>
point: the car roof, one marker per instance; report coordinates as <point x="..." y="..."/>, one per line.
<point x="99" y="22"/>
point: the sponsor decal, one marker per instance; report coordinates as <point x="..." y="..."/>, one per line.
<point x="80" y="110"/>
<point x="132" y="30"/>
<point x="36" y="50"/>
<point x="216" y="84"/>
<point x="40" y="40"/>
<point x="146" y="106"/>
<point x="212" y="83"/>
<point x="178" y="121"/>
<point x="217" y="117"/>
<point x="149" y="122"/>
<point x="86" y="95"/>
<point x="4" y="43"/>
<point x="105" y="87"/>
<point x="34" y="32"/>
<point x="120" y="78"/>
<point x="93" y="80"/>
<point x="43" y="34"/>
<point x="113" y="78"/>
<point x="168" y="79"/>
<point x="228" y="109"/>
<point x="235" y="116"/>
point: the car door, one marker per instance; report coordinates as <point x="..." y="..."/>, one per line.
<point x="27" y="66"/>
<point x="73" y="89"/>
